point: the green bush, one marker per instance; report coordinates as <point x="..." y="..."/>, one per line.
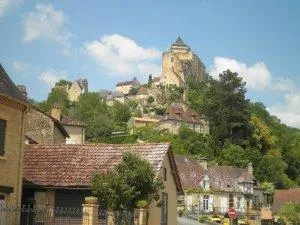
<point x="203" y="219"/>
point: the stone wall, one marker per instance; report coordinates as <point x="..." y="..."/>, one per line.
<point x="74" y="91"/>
<point x="77" y="134"/>
<point x="11" y="163"/>
<point x="42" y="129"/>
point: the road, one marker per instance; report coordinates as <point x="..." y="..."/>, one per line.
<point x="184" y="221"/>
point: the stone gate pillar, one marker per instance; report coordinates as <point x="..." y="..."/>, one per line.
<point x="90" y="211"/>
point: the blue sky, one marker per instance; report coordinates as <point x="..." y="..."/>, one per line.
<point x="111" y="41"/>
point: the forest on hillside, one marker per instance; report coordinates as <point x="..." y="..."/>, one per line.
<point x="240" y="131"/>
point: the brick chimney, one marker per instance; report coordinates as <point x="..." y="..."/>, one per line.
<point x="56" y="112"/>
<point x="23" y="90"/>
<point x="250" y="169"/>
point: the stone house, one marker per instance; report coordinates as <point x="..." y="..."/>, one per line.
<point x="213" y="189"/>
<point x="136" y="122"/>
<point x="74" y="128"/>
<point x="13" y="108"/>
<point x="180" y="62"/>
<point x="126" y="86"/>
<point x="178" y="114"/>
<point x="74" y="89"/>
<point x="155" y="81"/>
<point x="44" y="128"/>
<point x="66" y="184"/>
<point x="77" y="88"/>
<point x="116" y="96"/>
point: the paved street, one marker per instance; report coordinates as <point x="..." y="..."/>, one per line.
<point x="184" y="221"/>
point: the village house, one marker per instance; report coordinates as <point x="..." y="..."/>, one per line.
<point x="43" y="128"/>
<point x="283" y="197"/>
<point x="13" y="108"/>
<point x="126" y="86"/>
<point x="180" y="62"/>
<point x="116" y="96"/>
<point x="75" y="89"/>
<point x="74" y="128"/>
<point x="68" y="182"/>
<point x="178" y="114"/>
<point x="213" y="189"/>
<point x="137" y="122"/>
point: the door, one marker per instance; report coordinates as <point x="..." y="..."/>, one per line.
<point x="164" y="209"/>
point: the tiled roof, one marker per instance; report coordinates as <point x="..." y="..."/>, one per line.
<point x="190" y="172"/>
<point x="179" y="42"/>
<point x="71" y="121"/>
<point x="221" y="178"/>
<point x="282" y="197"/>
<point x="179" y="112"/>
<point x="73" y="165"/>
<point x="127" y="82"/>
<point x="8" y="88"/>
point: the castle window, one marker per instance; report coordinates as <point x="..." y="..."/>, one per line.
<point x="172" y="59"/>
<point x="2" y="135"/>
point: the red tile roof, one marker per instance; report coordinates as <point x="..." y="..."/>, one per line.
<point x="221" y="178"/>
<point x="282" y="197"/>
<point x="179" y="112"/>
<point x="74" y="165"/>
<point x="71" y="121"/>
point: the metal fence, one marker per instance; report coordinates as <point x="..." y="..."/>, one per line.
<point x="10" y="215"/>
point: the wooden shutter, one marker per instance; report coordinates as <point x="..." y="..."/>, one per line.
<point x="2" y="135"/>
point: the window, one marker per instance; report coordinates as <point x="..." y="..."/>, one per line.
<point x="239" y="204"/>
<point x="205" y="202"/>
<point x="193" y="117"/>
<point x="2" y="135"/>
<point x="164" y="209"/>
<point x="172" y="59"/>
<point x="165" y="174"/>
<point x="206" y="184"/>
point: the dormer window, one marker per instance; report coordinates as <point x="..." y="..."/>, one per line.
<point x="206" y="183"/>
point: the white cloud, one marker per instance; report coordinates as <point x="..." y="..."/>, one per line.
<point x="119" y="55"/>
<point x="257" y="76"/>
<point x="46" y="23"/>
<point x="289" y="112"/>
<point x="5" y="4"/>
<point x="51" y="76"/>
<point x="20" y="66"/>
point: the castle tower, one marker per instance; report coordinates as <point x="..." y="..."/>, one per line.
<point x="180" y="62"/>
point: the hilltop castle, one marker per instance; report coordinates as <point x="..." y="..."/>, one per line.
<point x="180" y="62"/>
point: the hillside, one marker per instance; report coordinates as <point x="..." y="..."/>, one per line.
<point x="240" y="131"/>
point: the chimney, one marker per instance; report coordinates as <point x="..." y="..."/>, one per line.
<point x="203" y="163"/>
<point x="23" y="90"/>
<point x="56" y="112"/>
<point x="250" y="169"/>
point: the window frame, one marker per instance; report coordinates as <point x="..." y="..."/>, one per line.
<point x="3" y="124"/>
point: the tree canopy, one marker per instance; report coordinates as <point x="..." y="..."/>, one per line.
<point x="132" y="180"/>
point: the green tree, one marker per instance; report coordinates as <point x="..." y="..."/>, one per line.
<point x="94" y="112"/>
<point x="132" y="180"/>
<point x="57" y="96"/>
<point x="120" y="112"/>
<point x="150" y="100"/>
<point x="233" y="155"/>
<point x="291" y="213"/>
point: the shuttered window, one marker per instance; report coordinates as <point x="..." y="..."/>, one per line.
<point x="2" y="135"/>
